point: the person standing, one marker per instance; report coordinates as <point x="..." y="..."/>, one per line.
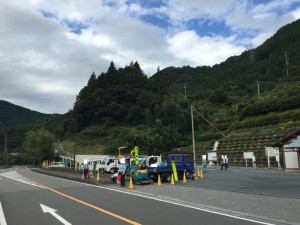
<point x="204" y="164"/>
<point x="222" y="162"/>
<point x="123" y="171"/>
<point x="85" y="168"/>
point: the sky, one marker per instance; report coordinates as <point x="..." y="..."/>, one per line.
<point x="50" y="48"/>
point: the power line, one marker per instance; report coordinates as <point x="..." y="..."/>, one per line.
<point x="210" y="123"/>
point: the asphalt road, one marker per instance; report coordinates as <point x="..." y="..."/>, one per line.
<point x="25" y="194"/>
<point x="252" y="181"/>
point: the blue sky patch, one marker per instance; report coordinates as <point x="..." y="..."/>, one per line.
<point x="75" y="27"/>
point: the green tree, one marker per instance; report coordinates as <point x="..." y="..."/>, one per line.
<point x="38" y="145"/>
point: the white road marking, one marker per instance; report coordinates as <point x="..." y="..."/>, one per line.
<point x="47" y="209"/>
<point x="15" y="176"/>
<point x="235" y="215"/>
<point x="2" y="217"/>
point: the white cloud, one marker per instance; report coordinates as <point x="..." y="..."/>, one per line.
<point x="202" y="50"/>
<point x="296" y="14"/>
<point x="49" y="48"/>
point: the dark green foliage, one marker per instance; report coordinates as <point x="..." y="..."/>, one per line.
<point x="11" y="115"/>
<point x="38" y="145"/>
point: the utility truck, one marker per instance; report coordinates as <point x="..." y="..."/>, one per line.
<point x="109" y="165"/>
<point x="183" y="161"/>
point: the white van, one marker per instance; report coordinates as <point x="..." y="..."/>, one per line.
<point x="56" y="164"/>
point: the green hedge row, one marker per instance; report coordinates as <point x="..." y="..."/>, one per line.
<point x="272" y="118"/>
<point x="274" y="105"/>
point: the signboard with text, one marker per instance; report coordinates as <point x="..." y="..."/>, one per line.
<point x="248" y="155"/>
<point x="212" y="156"/>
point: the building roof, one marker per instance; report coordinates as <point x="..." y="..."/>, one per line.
<point x="287" y="140"/>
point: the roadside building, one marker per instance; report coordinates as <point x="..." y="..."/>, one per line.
<point x="290" y="149"/>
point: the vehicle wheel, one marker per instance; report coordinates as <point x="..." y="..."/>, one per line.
<point x="102" y="170"/>
<point x="112" y="171"/>
<point x="188" y="175"/>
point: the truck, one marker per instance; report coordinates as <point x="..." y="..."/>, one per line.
<point x="143" y="159"/>
<point x="109" y="165"/>
<point x="183" y="161"/>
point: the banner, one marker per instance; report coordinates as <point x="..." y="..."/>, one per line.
<point x="174" y="171"/>
<point x="136" y="155"/>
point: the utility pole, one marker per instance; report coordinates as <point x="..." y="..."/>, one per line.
<point x="287" y="63"/>
<point x="258" y="92"/>
<point x="193" y="135"/>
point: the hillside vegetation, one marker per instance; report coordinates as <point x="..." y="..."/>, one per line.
<point x="124" y="107"/>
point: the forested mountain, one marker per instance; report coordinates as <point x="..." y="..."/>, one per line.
<point x="258" y="89"/>
<point x="255" y="93"/>
<point x="11" y="115"/>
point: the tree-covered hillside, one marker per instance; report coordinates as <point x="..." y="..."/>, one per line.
<point x="11" y="115"/>
<point x="255" y="93"/>
<point x="258" y="90"/>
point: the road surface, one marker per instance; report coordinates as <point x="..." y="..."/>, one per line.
<point x="30" y="198"/>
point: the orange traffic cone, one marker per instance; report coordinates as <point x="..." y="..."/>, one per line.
<point x="98" y="176"/>
<point x="131" y="184"/>
<point x="201" y="175"/>
<point x="172" y="179"/>
<point x="198" y="173"/>
<point x="159" y="181"/>
<point x="184" y="178"/>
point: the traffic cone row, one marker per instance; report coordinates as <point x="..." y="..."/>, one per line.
<point x="200" y="174"/>
<point x="159" y="184"/>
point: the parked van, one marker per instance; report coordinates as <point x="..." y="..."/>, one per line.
<point x="56" y="164"/>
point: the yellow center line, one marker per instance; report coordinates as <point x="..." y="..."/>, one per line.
<point x="85" y="203"/>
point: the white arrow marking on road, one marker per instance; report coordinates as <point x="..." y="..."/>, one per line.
<point x="47" y="209"/>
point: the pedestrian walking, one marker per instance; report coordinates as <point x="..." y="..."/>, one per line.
<point x="226" y="162"/>
<point x="222" y="162"/>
